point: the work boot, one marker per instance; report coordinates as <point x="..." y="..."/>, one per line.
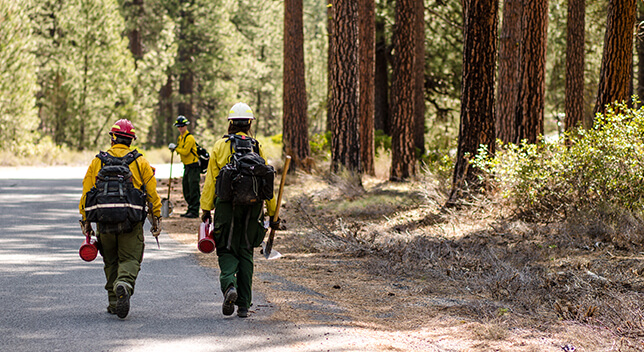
<point x="111" y="309"/>
<point x="242" y="312"/>
<point x="228" y="307"/>
<point x="190" y="215"/>
<point x="123" y="301"/>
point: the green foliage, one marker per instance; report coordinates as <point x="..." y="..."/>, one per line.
<point x="18" y="115"/>
<point x="599" y="172"/>
<point x="277" y="139"/>
<point x="321" y="145"/>
<point x="85" y="70"/>
<point x="381" y="141"/>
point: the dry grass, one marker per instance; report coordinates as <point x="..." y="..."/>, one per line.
<point x="388" y="258"/>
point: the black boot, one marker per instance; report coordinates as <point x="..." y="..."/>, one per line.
<point x="242" y="312"/>
<point x="123" y="301"/>
<point x="228" y="307"/>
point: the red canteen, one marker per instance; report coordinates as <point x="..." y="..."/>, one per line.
<point x="206" y="244"/>
<point x="88" y="250"/>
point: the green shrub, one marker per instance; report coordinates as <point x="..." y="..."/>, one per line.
<point x="599" y="171"/>
<point x="321" y="144"/>
<point x="381" y="141"/>
<point x="276" y="139"/>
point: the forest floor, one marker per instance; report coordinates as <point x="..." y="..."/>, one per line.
<point x="387" y="259"/>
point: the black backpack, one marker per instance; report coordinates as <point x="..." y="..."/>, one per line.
<point x="203" y="157"/>
<point x="246" y="179"/>
<point x="114" y="203"/>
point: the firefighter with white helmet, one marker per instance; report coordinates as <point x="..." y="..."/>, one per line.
<point x="237" y="229"/>
<point x="242" y="113"/>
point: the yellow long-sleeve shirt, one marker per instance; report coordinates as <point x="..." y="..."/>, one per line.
<point x="187" y="148"/>
<point x="147" y="174"/>
<point x="219" y="157"/>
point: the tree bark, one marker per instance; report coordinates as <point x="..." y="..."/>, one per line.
<point x="617" y="59"/>
<point x="133" y="11"/>
<point x="329" y="64"/>
<point x="382" y="119"/>
<point x="185" y="56"/>
<point x="477" y="101"/>
<point x="295" y="122"/>
<point x="419" y="80"/>
<point x="575" y="58"/>
<point x="403" y="158"/>
<point x="367" y="36"/>
<point x="164" y="127"/>
<point x="532" y="71"/>
<point x="640" y="54"/>
<point x="509" y="49"/>
<point x="345" y="145"/>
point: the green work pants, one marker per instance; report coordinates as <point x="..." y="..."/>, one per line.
<point x="235" y="250"/>
<point x="122" y="255"/>
<point x="236" y="269"/>
<point x="191" y="190"/>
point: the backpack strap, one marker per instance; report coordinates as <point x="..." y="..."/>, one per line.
<point x="131" y="156"/>
<point x="105" y="158"/>
<point x="241" y="143"/>
<point x="230" y="138"/>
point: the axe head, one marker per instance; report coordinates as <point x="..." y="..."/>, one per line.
<point x="270" y="253"/>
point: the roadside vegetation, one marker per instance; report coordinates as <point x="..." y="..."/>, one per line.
<point x="553" y="244"/>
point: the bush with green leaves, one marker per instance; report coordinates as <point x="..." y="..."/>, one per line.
<point x="597" y="171"/>
<point x="321" y="145"/>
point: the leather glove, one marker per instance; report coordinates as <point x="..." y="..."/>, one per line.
<point x="156" y="226"/>
<point x="172" y="146"/>
<point x="275" y="225"/>
<point x="87" y="228"/>
<point x="206" y="216"/>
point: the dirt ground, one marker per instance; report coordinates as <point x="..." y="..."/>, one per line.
<point x="389" y="260"/>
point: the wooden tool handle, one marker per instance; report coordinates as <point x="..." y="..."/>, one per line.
<point x="281" y="189"/>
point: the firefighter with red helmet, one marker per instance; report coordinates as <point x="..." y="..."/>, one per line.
<point x="121" y="244"/>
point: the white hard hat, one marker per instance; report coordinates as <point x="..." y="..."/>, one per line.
<point x="241" y="111"/>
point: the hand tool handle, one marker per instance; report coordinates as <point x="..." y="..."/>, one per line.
<point x="271" y="236"/>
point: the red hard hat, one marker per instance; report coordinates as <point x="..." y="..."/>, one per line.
<point x="123" y="128"/>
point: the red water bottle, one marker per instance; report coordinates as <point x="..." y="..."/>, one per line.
<point x="206" y="243"/>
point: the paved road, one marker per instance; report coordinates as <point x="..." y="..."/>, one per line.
<point x="50" y="300"/>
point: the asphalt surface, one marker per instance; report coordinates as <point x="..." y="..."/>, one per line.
<point x="51" y="300"/>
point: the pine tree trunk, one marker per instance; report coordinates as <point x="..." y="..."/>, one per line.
<point x="617" y="60"/>
<point x="382" y="119"/>
<point x="165" y="118"/>
<point x="477" y="101"/>
<point x="367" y="36"/>
<point x="532" y="71"/>
<point x="185" y="63"/>
<point x="509" y="49"/>
<point x="133" y="11"/>
<point x="295" y="123"/>
<point x="329" y="65"/>
<point x="575" y="58"/>
<point x="419" y="80"/>
<point x="640" y="56"/>
<point x="403" y="158"/>
<point x="345" y="145"/>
